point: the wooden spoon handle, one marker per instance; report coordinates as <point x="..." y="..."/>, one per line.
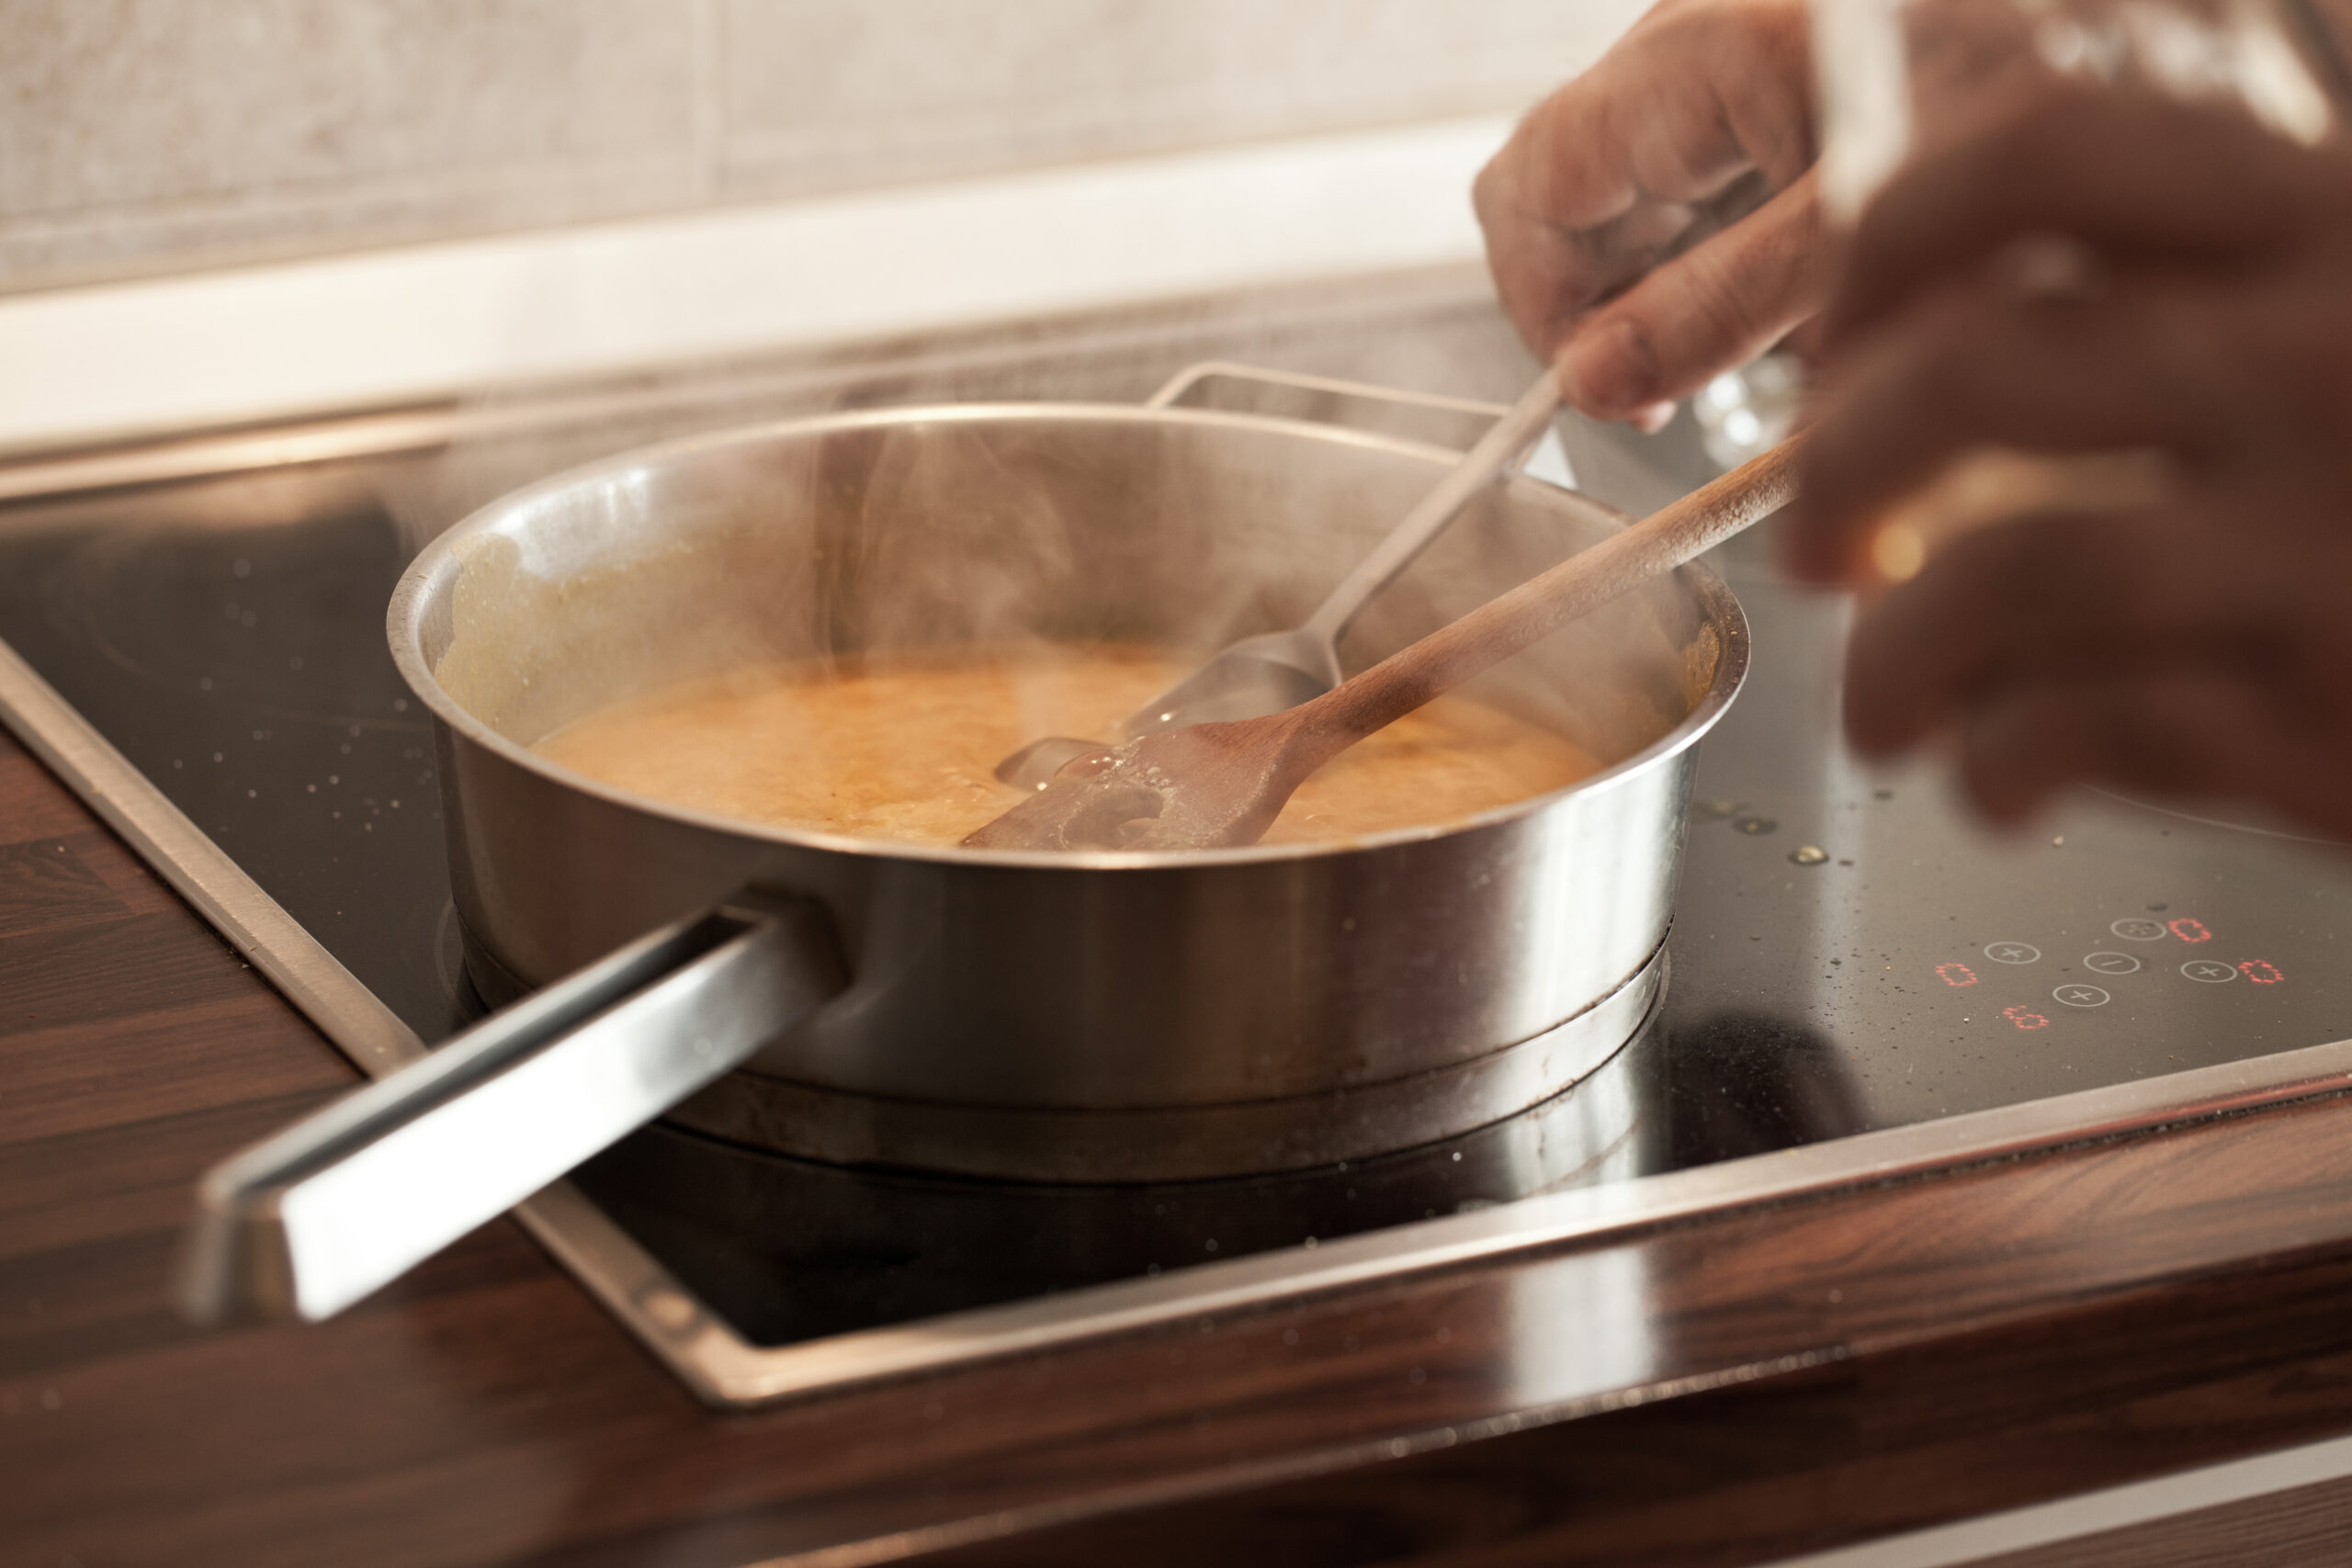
<point x="1542" y="604"/>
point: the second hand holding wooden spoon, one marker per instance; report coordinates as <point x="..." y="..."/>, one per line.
<point x="1218" y="786"/>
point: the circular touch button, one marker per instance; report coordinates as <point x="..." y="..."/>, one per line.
<point x="2011" y="953"/>
<point x="2208" y="971"/>
<point x="2080" y="996"/>
<point x="2138" y="931"/>
<point x="2112" y="963"/>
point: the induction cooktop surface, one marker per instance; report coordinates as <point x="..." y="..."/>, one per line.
<point x="1851" y="953"/>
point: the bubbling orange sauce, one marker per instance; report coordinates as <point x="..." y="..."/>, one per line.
<point x="903" y="749"/>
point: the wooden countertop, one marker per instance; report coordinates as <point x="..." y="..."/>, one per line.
<point x="1729" y="1390"/>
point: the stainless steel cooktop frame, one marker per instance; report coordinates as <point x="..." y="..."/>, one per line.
<point x="727" y="1371"/>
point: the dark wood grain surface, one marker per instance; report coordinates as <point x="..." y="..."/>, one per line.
<point x="1721" y="1391"/>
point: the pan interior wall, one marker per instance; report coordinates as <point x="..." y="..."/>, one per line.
<point x="1014" y="534"/>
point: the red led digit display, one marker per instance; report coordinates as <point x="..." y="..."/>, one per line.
<point x="2261" y="971"/>
<point x="1955" y="973"/>
<point x="2190" y="930"/>
<point x="2025" y="1019"/>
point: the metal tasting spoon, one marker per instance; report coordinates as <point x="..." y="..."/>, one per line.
<point x="1214" y="785"/>
<point x="1276" y="671"/>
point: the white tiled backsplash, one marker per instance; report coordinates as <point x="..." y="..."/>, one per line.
<point x="143" y="137"/>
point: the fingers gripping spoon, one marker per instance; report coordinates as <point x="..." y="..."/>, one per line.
<point x="1216" y="785"/>
<point x="1276" y="671"/>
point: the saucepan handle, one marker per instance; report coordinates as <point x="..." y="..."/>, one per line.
<point x="346" y="1201"/>
<point x="1174" y="390"/>
<point x="1547" y="461"/>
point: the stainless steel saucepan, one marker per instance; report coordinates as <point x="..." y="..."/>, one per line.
<point x="1097" y="1018"/>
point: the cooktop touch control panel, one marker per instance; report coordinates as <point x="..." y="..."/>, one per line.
<point x="2139" y="969"/>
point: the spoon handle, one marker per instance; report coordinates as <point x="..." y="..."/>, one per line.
<point x="1527" y="614"/>
<point x="1505" y="440"/>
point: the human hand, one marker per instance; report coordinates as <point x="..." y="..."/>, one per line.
<point x="1655" y="222"/>
<point x="2195" y="643"/>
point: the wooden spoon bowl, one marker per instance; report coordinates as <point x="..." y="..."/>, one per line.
<point x="1218" y="786"/>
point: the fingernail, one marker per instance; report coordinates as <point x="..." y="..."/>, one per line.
<point x="1609" y="369"/>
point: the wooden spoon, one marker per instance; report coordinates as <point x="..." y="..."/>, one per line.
<point x="1274" y="671"/>
<point x="1215" y="785"/>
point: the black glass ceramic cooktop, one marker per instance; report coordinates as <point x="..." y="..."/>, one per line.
<point x="1849" y="953"/>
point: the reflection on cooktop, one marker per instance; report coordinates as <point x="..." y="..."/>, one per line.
<point x="2218" y="818"/>
<point x="789" y="1249"/>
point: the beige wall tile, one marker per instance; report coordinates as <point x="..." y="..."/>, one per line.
<point x="146" y="136"/>
<point x="136" y="133"/>
<point x="826" y="93"/>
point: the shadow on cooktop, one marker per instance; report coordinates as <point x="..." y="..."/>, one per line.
<point x="788" y="1250"/>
